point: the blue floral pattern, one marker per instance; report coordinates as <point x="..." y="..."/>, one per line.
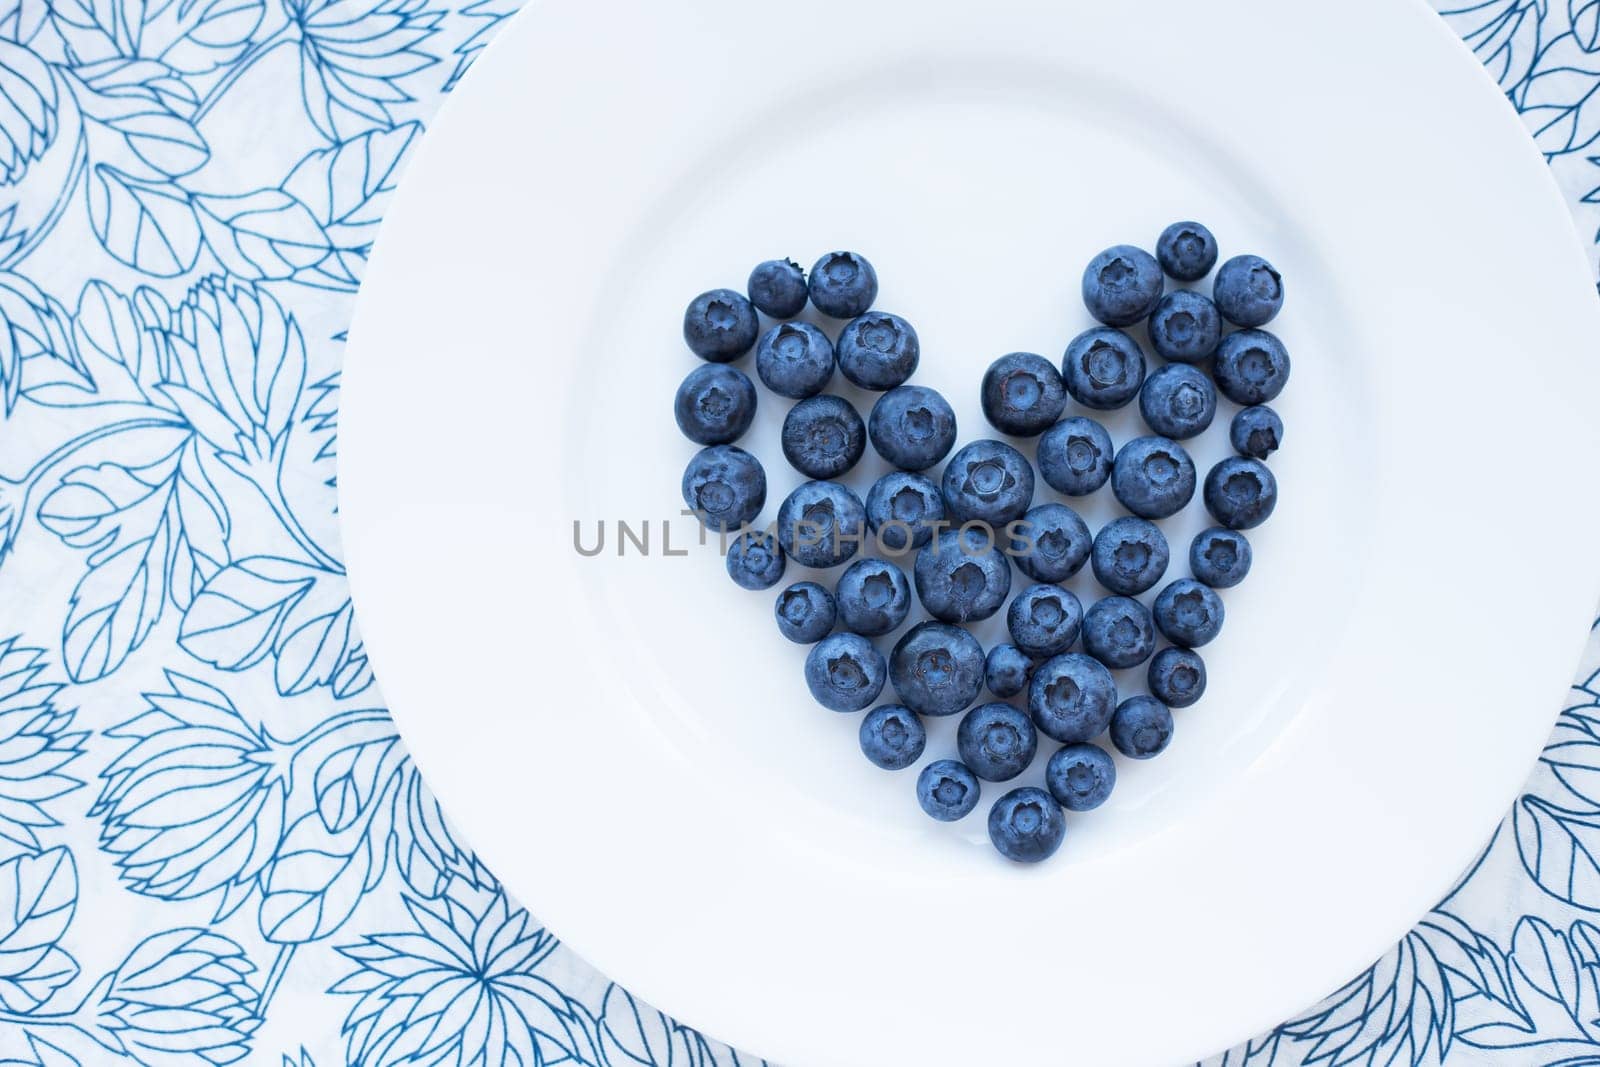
<point x="187" y="718"/>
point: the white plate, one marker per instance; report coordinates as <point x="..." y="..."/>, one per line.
<point x="628" y="742"/>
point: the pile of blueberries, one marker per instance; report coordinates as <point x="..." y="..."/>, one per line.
<point x="968" y="528"/>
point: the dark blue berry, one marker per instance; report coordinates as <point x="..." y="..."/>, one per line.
<point x="715" y="404"/>
<point x="1188" y="612"/>
<point x="1185" y="327"/>
<point x="1240" y="493"/>
<point x="1219" y="557"/>
<point x="821" y="524"/>
<point x="1141" y="728"/>
<point x="1103" y="368"/>
<point x="892" y="737"/>
<point x="1186" y="251"/>
<point x="936" y="669"/>
<point x="1256" y="432"/>
<point x="795" y="359"/>
<point x="778" y="287"/>
<point x="823" y="437"/>
<point x="843" y="285"/>
<point x="1026" y="825"/>
<point x="1075" y="456"/>
<point x="902" y="509"/>
<point x="1044" y="620"/>
<point x="997" y="741"/>
<point x="1080" y="776"/>
<point x="962" y="576"/>
<point x="1006" y="670"/>
<point x="806" y="612"/>
<point x="1248" y="291"/>
<point x="1118" y="632"/>
<point x="1252" y="367"/>
<point x="878" y="351"/>
<point x="844" y="672"/>
<point x="1178" y="401"/>
<point x="874" y="597"/>
<point x="1177" y="677"/>
<point x="1130" y="555"/>
<point x="1050" y="543"/>
<point x="947" y="790"/>
<point x="1121" y="285"/>
<point x="1153" y="477"/>
<point x="1071" y="697"/>
<point x="755" y="560"/>
<point x="725" y="485"/>
<point x="912" y="427"/>
<point x="1022" y="394"/>
<point x="987" y="481"/>
<point x="720" y="326"/>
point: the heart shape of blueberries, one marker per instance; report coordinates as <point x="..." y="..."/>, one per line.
<point x="965" y="532"/>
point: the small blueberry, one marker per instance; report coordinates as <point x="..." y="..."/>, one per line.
<point x="1153" y="477"/>
<point x="878" y="351"/>
<point x="1103" y="368"/>
<point x="755" y="560"/>
<point x="902" y="508"/>
<point x="1006" y="670"/>
<point x="1130" y="555"/>
<point x="1022" y="394"/>
<point x="843" y="285"/>
<point x="795" y="359"/>
<point x="1075" y="456"/>
<point x="778" y="288"/>
<point x="1118" y="632"/>
<point x="806" y="612"/>
<point x="873" y="596"/>
<point x="1080" y="776"/>
<point x="1186" y="251"/>
<point x="912" y="427"/>
<point x="823" y="437"/>
<point x="1256" y="432"/>
<point x="1178" y="401"/>
<point x="1188" y="612"/>
<point x="892" y="737"/>
<point x="1177" y="677"/>
<point x="962" y="576"/>
<point x="997" y="741"/>
<point x="720" y="326"/>
<point x="1240" y="493"/>
<point x="715" y="404"/>
<point x="1071" y="697"/>
<point x="987" y="481"/>
<point x="1252" y="367"/>
<point x="947" y="790"/>
<point x="1026" y="825"/>
<point x="725" y="485"/>
<point x="1121" y="285"/>
<point x="821" y="524"/>
<point x="1141" y="728"/>
<point x="1219" y="557"/>
<point x="936" y="669"/>
<point x="844" y="672"/>
<point x="1185" y="327"/>
<point x="1050" y="543"/>
<point x="1044" y="620"/>
<point x="1248" y="291"/>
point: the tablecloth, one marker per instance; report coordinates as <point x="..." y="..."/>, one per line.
<point x="213" y="846"/>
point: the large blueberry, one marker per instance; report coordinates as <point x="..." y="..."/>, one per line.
<point x="912" y="427"/>
<point x="1153" y="477"/>
<point x="1252" y="367"/>
<point x="1044" y="620"/>
<point x="1121" y="285"/>
<point x="821" y="524"/>
<point x="720" y="326"/>
<point x="903" y="508"/>
<point x="1022" y="394"/>
<point x="1177" y="677"/>
<point x="823" y="437"/>
<point x="795" y="359"/>
<point x="1080" y="776"/>
<point x="715" y="404"/>
<point x="947" y="790"/>
<point x="1050" y="543"/>
<point x="1141" y="728"/>
<point x="778" y="288"/>
<point x="843" y="285"/>
<point x="1219" y="557"/>
<point x="1071" y="697"/>
<point x="997" y="741"/>
<point x="1075" y="456"/>
<point x="1240" y="493"/>
<point x="988" y="481"/>
<point x="1188" y="612"/>
<point x="844" y="672"/>
<point x="962" y="576"/>
<point x="1248" y="291"/>
<point x="1256" y="432"/>
<point x="1118" y="632"/>
<point x="1026" y="825"/>
<point x="1006" y="670"/>
<point x="755" y="560"/>
<point x="1185" y="327"/>
<point x="1103" y="368"/>
<point x="878" y="350"/>
<point x="874" y="597"/>
<point x="1186" y="251"/>
<point x="1130" y="555"/>
<point x="806" y="612"/>
<point x="936" y="669"/>
<point x="725" y="485"/>
<point x="892" y="737"/>
<point x="1178" y="401"/>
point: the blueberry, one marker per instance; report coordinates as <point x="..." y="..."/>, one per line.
<point x="1075" y="456"/>
<point x="892" y="737"/>
<point x="1121" y="285"/>
<point x="715" y="404"/>
<point x="1186" y="251"/>
<point x="1118" y="632"/>
<point x="1050" y="543"/>
<point x="1240" y="493"/>
<point x="725" y="485"/>
<point x="806" y="612"/>
<point x="936" y="669"/>
<point x="1141" y="728"/>
<point x="1177" y="677"/>
<point x="755" y="560"/>
<point x="947" y="790"/>
<point x="1178" y="402"/>
<point x="1071" y="697"/>
<point x="821" y="524"/>
<point x="1130" y="555"/>
<point x="1153" y="477"/>
<point x="961" y="576"/>
<point x="987" y="481"/>
<point x="1252" y="367"/>
<point x="1022" y="394"/>
<point x="903" y="508"/>
<point x="874" y="597"/>
<point x="1185" y="327"/>
<point x="878" y="351"/>
<point x="1188" y="613"/>
<point x="844" y="672"/>
<point x="843" y="285"/>
<point x="997" y="741"/>
<point x="778" y="287"/>
<point x="1006" y="670"/>
<point x="1103" y="368"/>
<point x="823" y="437"/>
<point x="720" y="326"/>
<point x="1044" y="620"/>
<point x="1219" y="557"/>
<point x="912" y="427"/>
<point x="1080" y="776"/>
<point x="1248" y="291"/>
<point x="1256" y="432"/>
<point x="795" y="359"/>
<point x="1026" y="825"/>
